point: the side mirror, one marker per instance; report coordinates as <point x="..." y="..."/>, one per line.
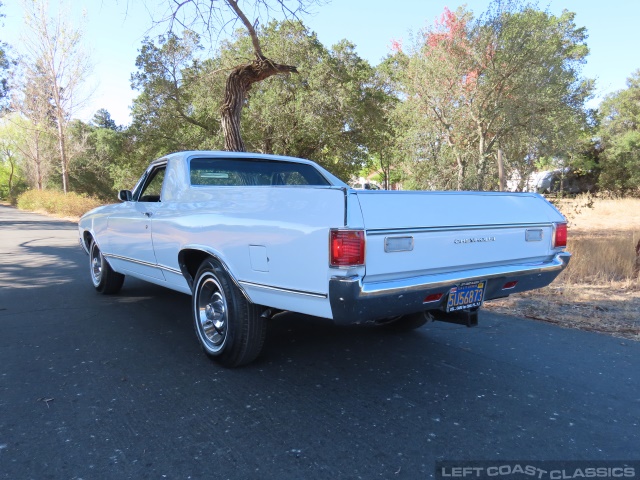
<point x="125" y="195"/>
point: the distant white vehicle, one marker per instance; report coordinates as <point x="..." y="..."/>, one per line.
<point x="539" y="182"/>
<point x="364" y="184"/>
<point x="249" y="236"/>
<point x="553" y="181"/>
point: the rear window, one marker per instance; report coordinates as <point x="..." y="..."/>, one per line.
<point x="248" y="172"/>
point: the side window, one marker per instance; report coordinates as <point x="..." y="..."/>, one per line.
<point x="153" y="186"/>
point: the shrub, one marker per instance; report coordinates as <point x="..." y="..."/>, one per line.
<point x="57" y="203"/>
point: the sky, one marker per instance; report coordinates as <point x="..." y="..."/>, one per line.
<point x="114" y="30"/>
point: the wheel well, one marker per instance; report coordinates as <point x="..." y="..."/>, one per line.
<point x="86" y="240"/>
<point x="190" y="261"/>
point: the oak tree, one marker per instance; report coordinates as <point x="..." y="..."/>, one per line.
<point x="620" y="138"/>
<point x="510" y="77"/>
<point x="212" y="15"/>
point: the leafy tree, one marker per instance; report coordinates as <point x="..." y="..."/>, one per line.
<point x="34" y="123"/>
<point x="102" y="119"/>
<point x="217" y="14"/>
<point x="4" y="68"/>
<point x="180" y="97"/>
<point x="53" y="51"/>
<point x="620" y="137"/>
<point x="508" y="79"/>
<point x="11" y="178"/>
<point x="103" y="157"/>
<point x="382" y="131"/>
<point x="323" y="113"/>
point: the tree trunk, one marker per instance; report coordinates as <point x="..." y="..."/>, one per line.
<point x="267" y="140"/>
<point x="12" y="165"/>
<point x="386" y="171"/>
<point x="636" y="268"/>
<point x="63" y="157"/>
<point x="501" y="179"/>
<point x="481" y="161"/>
<point x="38" y="164"/>
<point x="238" y="84"/>
<point x="460" y="171"/>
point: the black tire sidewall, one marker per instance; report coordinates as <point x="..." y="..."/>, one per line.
<point x="210" y="268"/>
<point x="103" y="265"/>
<point x="110" y="281"/>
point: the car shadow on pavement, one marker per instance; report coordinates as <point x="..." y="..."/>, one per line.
<point x="36" y="264"/>
<point x="38" y="225"/>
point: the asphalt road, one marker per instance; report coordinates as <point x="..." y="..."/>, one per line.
<point x="116" y="387"/>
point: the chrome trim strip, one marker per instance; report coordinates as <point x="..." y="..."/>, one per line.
<point x="214" y="254"/>
<point x="345" y="191"/>
<point x="404" y="231"/>
<point x="132" y="260"/>
<point x="284" y="290"/>
<point x="145" y="264"/>
<point x="406" y="285"/>
<point x="171" y="270"/>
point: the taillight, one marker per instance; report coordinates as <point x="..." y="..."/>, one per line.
<point x="346" y="248"/>
<point x="434" y="297"/>
<point x="560" y="235"/>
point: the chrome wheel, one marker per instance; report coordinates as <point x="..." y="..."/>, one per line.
<point x="229" y="327"/>
<point x="95" y="264"/>
<point x="103" y="277"/>
<point x="211" y="313"/>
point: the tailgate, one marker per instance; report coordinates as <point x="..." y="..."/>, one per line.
<point x="419" y="233"/>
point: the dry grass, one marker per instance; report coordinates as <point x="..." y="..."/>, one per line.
<point x="605" y="216"/>
<point x="71" y="206"/>
<point x="601" y="258"/>
<point x="598" y="291"/>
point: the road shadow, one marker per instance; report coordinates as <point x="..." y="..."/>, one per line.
<point x="36" y="265"/>
<point x="38" y="225"/>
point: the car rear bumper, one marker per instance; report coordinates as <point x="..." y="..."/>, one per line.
<point x="354" y="301"/>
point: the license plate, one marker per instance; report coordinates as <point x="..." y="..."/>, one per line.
<point x="465" y="296"/>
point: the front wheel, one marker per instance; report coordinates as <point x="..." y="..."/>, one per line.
<point x="104" y="279"/>
<point x="229" y="327"/>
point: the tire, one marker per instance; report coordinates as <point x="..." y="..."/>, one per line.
<point x="405" y="323"/>
<point x="228" y="326"/>
<point x="104" y="279"/>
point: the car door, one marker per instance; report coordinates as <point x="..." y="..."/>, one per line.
<point x="130" y="244"/>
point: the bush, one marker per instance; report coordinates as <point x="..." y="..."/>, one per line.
<point x="57" y="203"/>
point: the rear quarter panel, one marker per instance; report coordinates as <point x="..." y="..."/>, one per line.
<point x="274" y="240"/>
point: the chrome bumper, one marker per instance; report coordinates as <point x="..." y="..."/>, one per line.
<point x="355" y="301"/>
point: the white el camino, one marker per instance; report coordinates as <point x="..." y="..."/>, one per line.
<point x="249" y="236"/>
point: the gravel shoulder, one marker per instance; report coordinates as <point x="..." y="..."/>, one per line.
<point x="611" y="309"/>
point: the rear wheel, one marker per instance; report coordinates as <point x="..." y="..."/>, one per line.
<point x="104" y="279"/>
<point x="229" y="327"/>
